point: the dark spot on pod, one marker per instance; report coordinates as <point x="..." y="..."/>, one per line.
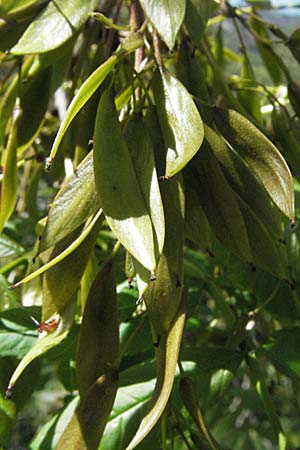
<point x="139" y="301"/>
<point x="152" y="276"/>
<point x="293" y="223"/>
<point x="34" y="259"/>
<point x="8" y="393"/>
<point x="129" y="281"/>
<point x="156" y="344"/>
<point x="114" y="188"/>
<point x="282" y="241"/>
<point x="91" y="144"/>
<point x="48" y="165"/>
<point x="163" y="177"/>
<point x="178" y="284"/>
<point x="40" y="238"/>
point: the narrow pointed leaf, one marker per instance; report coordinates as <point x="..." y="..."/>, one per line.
<point x="265" y="253"/>
<point x="66" y="252"/>
<point x="166" y="356"/>
<point x="166" y="16"/>
<point x="220" y="206"/>
<point x="9" y="182"/>
<point x="180" y="121"/>
<point x="85" y="92"/>
<point x="196" y="18"/>
<point x="244" y="182"/>
<point x="118" y="188"/>
<point x="57" y="23"/>
<point x="34" y="103"/>
<point x="91" y="84"/>
<point x="75" y="202"/>
<point x="260" y="155"/>
<point x="58" y="289"/>
<point x="197" y="228"/>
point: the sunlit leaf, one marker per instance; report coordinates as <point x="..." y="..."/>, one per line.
<point x="57" y="23"/>
<point x="177" y="112"/>
<point x="117" y="186"/>
<point x="260" y="155"/>
<point x="166" y="356"/>
<point x="166" y="16"/>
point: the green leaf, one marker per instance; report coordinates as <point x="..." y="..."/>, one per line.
<point x="8" y="98"/>
<point x="13" y="9"/>
<point x="48" y="436"/>
<point x="197" y="228"/>
<point x="293" y="43"/>
<point x="87" y="424"/>
<point x="57" y="23"/>
<point x="258" y="378"/>
<point x="130" y="405"/>
<point x="166" y="357"/>
<point x="84" y="93"/>
<point x="247" y="96"/>
<point x="17" y="332"/>
<point x="166" y="16"/>
<point x="196" y="18"/>
<point x="260" y="155"/>
<point x="91" y="84"/>
<point x="98" y="341"/>
<point x="163" y="295"/>
<point x="69" y="257"/>
<point x="118" y="188"/>
<point x="61" y="252"/>
<point x="286" y="138"/>
<point x="282" y="349"/>
<point x="177" y="112"/>
<point x="45" y="342"/>
<point x="267" y="54"/>
<point x="219" y="204"/>
<point x="7" y="420"/>
<point x="244" y="182"/>
<point x="34" y="105"/>
<point x="265" y="254"/>
<point x="294" y="96"/>
<point x="74" y="203"/>
<point x="9" y="181"/>
<point x="9" y="248"/>
<point x="142" y="155"/>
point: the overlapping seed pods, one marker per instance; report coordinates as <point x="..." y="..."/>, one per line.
<point x="260" y="155"/>
<point x="96" y="359"/>
<point x="118" y="188"/>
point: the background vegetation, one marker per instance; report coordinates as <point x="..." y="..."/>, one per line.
<point x="150" y="277"/>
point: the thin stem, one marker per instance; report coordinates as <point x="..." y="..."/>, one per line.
<point x="129" y="340"/>
<point x="15" y="263"/>
<point x="268" y="300"/>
